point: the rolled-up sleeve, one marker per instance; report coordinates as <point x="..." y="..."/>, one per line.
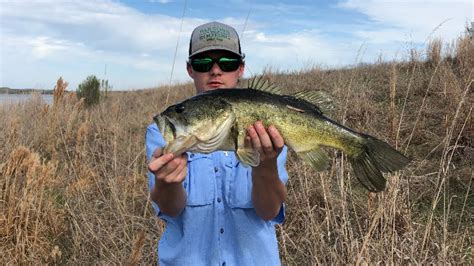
<point x="283" y="174"/>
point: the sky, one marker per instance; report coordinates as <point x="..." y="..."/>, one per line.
<point x="144" y="43"/>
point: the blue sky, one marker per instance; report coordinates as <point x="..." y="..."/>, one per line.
<point x="133" y="43"/>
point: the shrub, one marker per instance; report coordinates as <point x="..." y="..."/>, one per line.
<point x="89" y="89"/>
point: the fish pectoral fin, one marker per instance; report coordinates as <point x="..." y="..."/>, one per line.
<point x="248" y="156"/>
<point x="317" y="158"/>
<point x="243" y="149"/>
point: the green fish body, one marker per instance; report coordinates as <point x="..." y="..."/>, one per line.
<point x="218" y="119"/>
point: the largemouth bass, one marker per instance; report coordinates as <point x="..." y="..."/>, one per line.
<point x="218" y="119"/>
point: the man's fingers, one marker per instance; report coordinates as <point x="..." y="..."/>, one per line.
<point x="177" y="172"/>
<point x="277" y="139"/>
<point x="248" y="141"/>
<point x="266" y="142"/>
<point x="171" y="166"/>
<point x="254" y="139"/>
<point x="157" y="163"/>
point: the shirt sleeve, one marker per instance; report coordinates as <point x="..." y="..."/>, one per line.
<point x="283" y="174"/>
<point x="153" y="140"/>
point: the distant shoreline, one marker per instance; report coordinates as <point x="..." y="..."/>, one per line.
<point x="6" y="90"/>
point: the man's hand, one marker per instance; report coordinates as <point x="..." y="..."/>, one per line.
<point x="269" y="143"/>
<point x="167" y="168"/>
<point x="169" y="173"/>
<point x="268" y="192"/>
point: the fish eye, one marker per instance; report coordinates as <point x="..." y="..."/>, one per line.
<point x="179" y="108"/>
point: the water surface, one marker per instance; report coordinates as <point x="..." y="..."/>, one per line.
<point x="17" y="98"/>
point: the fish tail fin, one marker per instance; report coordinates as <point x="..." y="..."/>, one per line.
<point x="377" y="157"/>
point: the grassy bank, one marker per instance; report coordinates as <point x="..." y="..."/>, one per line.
<point x="73" y="185"/>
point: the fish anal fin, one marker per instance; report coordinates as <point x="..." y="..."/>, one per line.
<point x="317" y="158"/>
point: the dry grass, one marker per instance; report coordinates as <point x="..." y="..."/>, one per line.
<point x="73" y="185"/>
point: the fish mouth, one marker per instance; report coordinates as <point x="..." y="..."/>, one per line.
<point x="176" y="143"/>
<point x="167" y="129"/>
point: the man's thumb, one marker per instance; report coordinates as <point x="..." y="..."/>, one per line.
<point x="157" y="153"/>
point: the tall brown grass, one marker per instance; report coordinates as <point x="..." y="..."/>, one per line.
<point x="73" y="185"/>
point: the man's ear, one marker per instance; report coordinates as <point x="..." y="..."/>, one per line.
<point x="189" y="69"/>
<point x="241" y="69"/>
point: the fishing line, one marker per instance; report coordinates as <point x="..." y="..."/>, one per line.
<point x="176" y="51"/>
<point x="242" y="35"/>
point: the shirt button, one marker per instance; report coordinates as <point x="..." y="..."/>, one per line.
<point x="219" y="200"/>
<point x="215" y="169"/>
<point x="222" y="230"/>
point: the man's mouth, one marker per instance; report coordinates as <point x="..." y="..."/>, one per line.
<point x="214" y="84"/>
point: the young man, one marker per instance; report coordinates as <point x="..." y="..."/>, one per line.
<point x="217" y="211"/>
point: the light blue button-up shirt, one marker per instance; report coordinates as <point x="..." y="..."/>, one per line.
<point x="219" y="225"/>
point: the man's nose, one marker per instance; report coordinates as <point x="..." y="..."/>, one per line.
<point x="215" y="69"/>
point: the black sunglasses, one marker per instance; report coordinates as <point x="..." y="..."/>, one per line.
<point x="205" y="64"/>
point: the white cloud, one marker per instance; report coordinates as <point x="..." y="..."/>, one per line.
<point x="160" y="1"/>
<point x="87" y="34"/>
<point x="103" y="23"/>
<point x="44" y="46"/>
<point x="296" y="50"/>
<point x="416" y="21"/>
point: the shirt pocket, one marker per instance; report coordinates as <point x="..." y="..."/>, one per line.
<point x="200" y="181"/>
<point x="240" y="187"/>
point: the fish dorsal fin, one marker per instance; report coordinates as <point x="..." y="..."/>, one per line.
<point x="262" y="84"/>
<point x="317" y="158"/>
<point x="319" y="98"/>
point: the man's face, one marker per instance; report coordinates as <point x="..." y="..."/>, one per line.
<point x="215" y="78"/>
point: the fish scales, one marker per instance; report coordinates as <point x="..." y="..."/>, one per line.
<point x="295" y="126"/>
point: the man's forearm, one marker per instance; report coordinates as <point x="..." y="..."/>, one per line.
<point x="171" y="198"/>
<point x="268" y="191"/>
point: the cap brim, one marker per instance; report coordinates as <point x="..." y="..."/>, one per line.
<point x="214" y="47"/>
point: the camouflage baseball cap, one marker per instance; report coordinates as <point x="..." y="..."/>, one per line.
<point x="214" y="36"/>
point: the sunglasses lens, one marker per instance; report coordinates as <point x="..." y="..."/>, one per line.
<point x="229" y="64"/>
<point x="225" y="64"/>
<point x="202" y="65"/>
